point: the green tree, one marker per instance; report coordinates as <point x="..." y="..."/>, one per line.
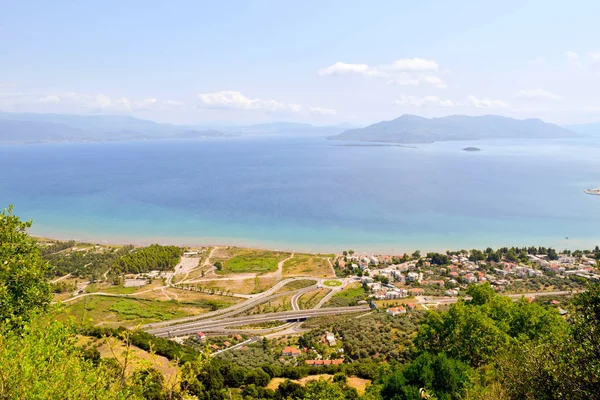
<point x="42" y="361"/>
<point x="23" y="287"/>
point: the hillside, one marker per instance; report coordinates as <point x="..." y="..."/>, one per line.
<point x="414" y="129"/>
<point x="36" y="128"/>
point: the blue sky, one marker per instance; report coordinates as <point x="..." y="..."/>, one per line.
<point x="322" y="62"/>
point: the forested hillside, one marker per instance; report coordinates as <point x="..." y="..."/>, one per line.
<point x="88" y="261"/>
<point x="151" y="258"/>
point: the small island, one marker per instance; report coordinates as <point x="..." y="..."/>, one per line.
<point x="471" y="149"/>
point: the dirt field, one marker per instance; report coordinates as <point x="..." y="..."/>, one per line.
<point x="359" y="384"/>
<point x="113" y="348"/>
<point x="307" y="265"/>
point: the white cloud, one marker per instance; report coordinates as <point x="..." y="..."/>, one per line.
<point x="403" y="72"/>
<point x="594" y="55"/>
<point x="408" y="80"/>
<point x="341" y="68"/>
<point x="233" y="100"/>
<point x="486" y="103"/>
<point x="573" y="58"/>
<point x="80" y="103"/>
<point x="571" y="55"/>
<point x="173" y="103"/>
<point x="426" y="101"/>
<point x="49" y="99"/>
<point x="322" y="111"/>
<point x="415" y="65"/>
<point x="592" y="108"/>
<point x="537" y="61"/>
<point x="536" y="94"/>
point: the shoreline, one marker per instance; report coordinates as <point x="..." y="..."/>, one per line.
<point x="396" y="249"/>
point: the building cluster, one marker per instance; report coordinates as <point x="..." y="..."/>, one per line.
<point x="387" y="280"/>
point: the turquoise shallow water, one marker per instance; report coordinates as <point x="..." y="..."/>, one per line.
<point x="309" y="194"/>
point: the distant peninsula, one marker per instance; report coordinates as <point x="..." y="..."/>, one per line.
<point x="471" y="149"/>
<point x="23" y="128"/>
<point x="415" y="129"/>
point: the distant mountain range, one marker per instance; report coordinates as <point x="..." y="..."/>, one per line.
<point x="38" y="128"/>
<point x="414" y="129"/>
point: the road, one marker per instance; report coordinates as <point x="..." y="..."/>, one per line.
<point x="237" y="346"/>
<point x="220" y="324"/>
<point x="260" y="298"/>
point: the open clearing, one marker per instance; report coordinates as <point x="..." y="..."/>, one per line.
<point x="295" y="285"/>
<point x="116" y="311"/>
<point x="114" y="348"/>
<point x="252" y="260"/>
<point x="191" y="297"/>
<point x="357" y="383"/>
<point x="308" y="265"/>
<point x="241" y="286"/>
<point x="310" y="299"/>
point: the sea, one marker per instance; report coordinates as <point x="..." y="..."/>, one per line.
<point x="309" y="194"/>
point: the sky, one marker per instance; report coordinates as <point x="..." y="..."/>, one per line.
<point x="317" y="61"/>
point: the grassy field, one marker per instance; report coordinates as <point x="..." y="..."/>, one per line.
<point x="253" y="261"/>
<point x="138" y="358"/>
<point x="354" y="382"/>
<point x="295" y="285"/>
<point x="192" y="297"/>
<point x="307" y="265"/>
<point x="115" y="311"/>
<point x="279" y="304"/>
<point x="260" y="325"/>
<point x="347" y="297"/>
<point x="241" y="286"/>
<point x="311" y="299"/>
<point x="332" y="283"/>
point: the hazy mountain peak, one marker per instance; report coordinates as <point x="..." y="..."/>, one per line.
<point x="415" y="129"/>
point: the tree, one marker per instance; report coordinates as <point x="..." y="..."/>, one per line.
<point x="43" y="362"/>
<point x="218" y="265"/>
<point x="23" y="287"/>
<point x="416" y="255"/>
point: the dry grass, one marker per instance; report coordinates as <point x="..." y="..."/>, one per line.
<point x="307" y="265"/>
<point x="129" y="312"/>
<point x="283" y="303"/>
<point x="138" y="358"/>
<point x="187" y="296"/>
<point x="311" y="299"/>
<point x="357" y="383"/>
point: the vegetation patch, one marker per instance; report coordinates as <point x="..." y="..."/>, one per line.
<point x="307" y="265"/>
<point x="113" y="311"/>
<point x="260" y="325"/>
<point x="311" y="299"/>
<point x="295" y="285"/>
<point x="332" y="283"/>
<point x="151" y="258"/>
<point x="251" y="260"/>
<point x="348" y="297"/>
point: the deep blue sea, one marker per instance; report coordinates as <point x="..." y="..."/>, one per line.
<point x="309" y="194"/>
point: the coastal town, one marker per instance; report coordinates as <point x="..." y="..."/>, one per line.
<point x="390" y="278"/>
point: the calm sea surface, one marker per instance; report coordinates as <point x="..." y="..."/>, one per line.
<point x="309" y="194"/>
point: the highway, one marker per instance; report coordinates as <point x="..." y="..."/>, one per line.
<point x="222" y="323"/>
<point x="260" y="298"/>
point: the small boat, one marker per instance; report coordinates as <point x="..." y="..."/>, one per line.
<point x="592" y="191"/>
